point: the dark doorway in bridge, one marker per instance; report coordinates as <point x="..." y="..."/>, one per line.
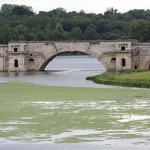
<point x="15" y="49"/>
<point x="123" y="48"/>
<point x="113" y="63"/>
<point x="135" y="67"/>
<point x="149" y="66"/>
<point x="16" y="63"/>
<point x="123" y="62"/>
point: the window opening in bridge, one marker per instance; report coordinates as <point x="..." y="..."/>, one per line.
<point x="123" y="62"/>
<point x="16" y="63"/>
<point x="123" y="48"/>
<point x="15" y="49"/>
<point x="30" y="54"/>
<point x="135" y="67"/>
<point x="31" y="60"/>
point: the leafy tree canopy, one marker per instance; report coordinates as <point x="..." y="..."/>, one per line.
<point x="19" y="22"/>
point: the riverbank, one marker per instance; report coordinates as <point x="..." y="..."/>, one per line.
<point x="124" y="78"/>
<point x="31" y="113"/>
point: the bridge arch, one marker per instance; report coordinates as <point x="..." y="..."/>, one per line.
<point x="36" y="55"/>
<point x="102" y="51"/>
<point x="45" y="63"/>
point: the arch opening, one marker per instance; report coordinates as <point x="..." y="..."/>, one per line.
<point x="16" y="63"/>
<point x="68" y="56"/>
<point x="15" y="49"/>
<point x="31" y="60"/>
<point x="123" y="48"/>
<point x="135" y="67"/>
<point x="113" y="64"/>
<point x="148" y="66"/>
<point x="113" y="59"/>
<point x="123" y="62"/>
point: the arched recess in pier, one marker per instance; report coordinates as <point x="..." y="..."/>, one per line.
<point x="148" y="66"/>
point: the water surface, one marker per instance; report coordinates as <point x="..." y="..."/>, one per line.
<point x="30" y="123"/>
<point x="62" y="71"/>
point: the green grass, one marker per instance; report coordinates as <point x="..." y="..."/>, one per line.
<point x="124" y="78"/>
<point x="34" y="113"/>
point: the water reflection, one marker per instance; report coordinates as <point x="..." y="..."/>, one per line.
<point x="13" y="74"/>
<point x="62" y="71"/>
<point x="18" y="74"/>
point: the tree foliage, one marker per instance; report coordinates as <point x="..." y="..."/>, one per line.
<point x="91" y="33"/>
<point x="19" y="22"/>
<point x="22" y="10"/>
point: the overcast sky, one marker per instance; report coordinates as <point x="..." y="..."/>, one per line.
<point x="89" y="6"/>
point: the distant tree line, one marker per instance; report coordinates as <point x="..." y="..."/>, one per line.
<point x="19" y="22"/>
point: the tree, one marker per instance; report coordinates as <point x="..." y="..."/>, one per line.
<point x="30" y="36"/>
<point x="18" y="22"/>
<point x="32" y="22"/>
<point x="76" y="34"/>
<point x="110" y="36"/>
<point x="5" y="34"/>
<point x="41" y="36"/>
<point x="110" y="12"/>
<point x="49" y="34"/>
<point x="43" y="22"/>
<point x="60" y="12"/>
<point x="91" y="33"/>
<point x="102" y="25"/>
<point x="19" y="32"/>
<point x="140" y="29"/>
<point x="59" y="31"/>
<point x="22" y="10"/>
<point x="6" y="9"/>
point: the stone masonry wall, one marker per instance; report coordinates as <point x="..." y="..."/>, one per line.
<point x="36" y="55"/>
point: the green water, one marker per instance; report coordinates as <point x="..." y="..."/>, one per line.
<point x="34" y="113"/>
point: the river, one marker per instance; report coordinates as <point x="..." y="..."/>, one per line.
<point x="106" y="124"/>
<point x="62" y="71"/>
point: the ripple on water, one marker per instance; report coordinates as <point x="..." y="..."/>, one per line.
<point x="127" y="118"/>
<point x="7" y="129"/>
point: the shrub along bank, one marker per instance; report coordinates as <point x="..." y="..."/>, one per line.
<point x="124" y="78"/>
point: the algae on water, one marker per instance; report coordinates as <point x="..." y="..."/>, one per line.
<point x="36" y="113"/>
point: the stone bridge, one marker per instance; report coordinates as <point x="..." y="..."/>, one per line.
<point x="35" y="55"/>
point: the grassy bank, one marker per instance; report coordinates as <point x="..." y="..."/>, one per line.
<point x="37" y="113"/>
<point x="124" y="78"/>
